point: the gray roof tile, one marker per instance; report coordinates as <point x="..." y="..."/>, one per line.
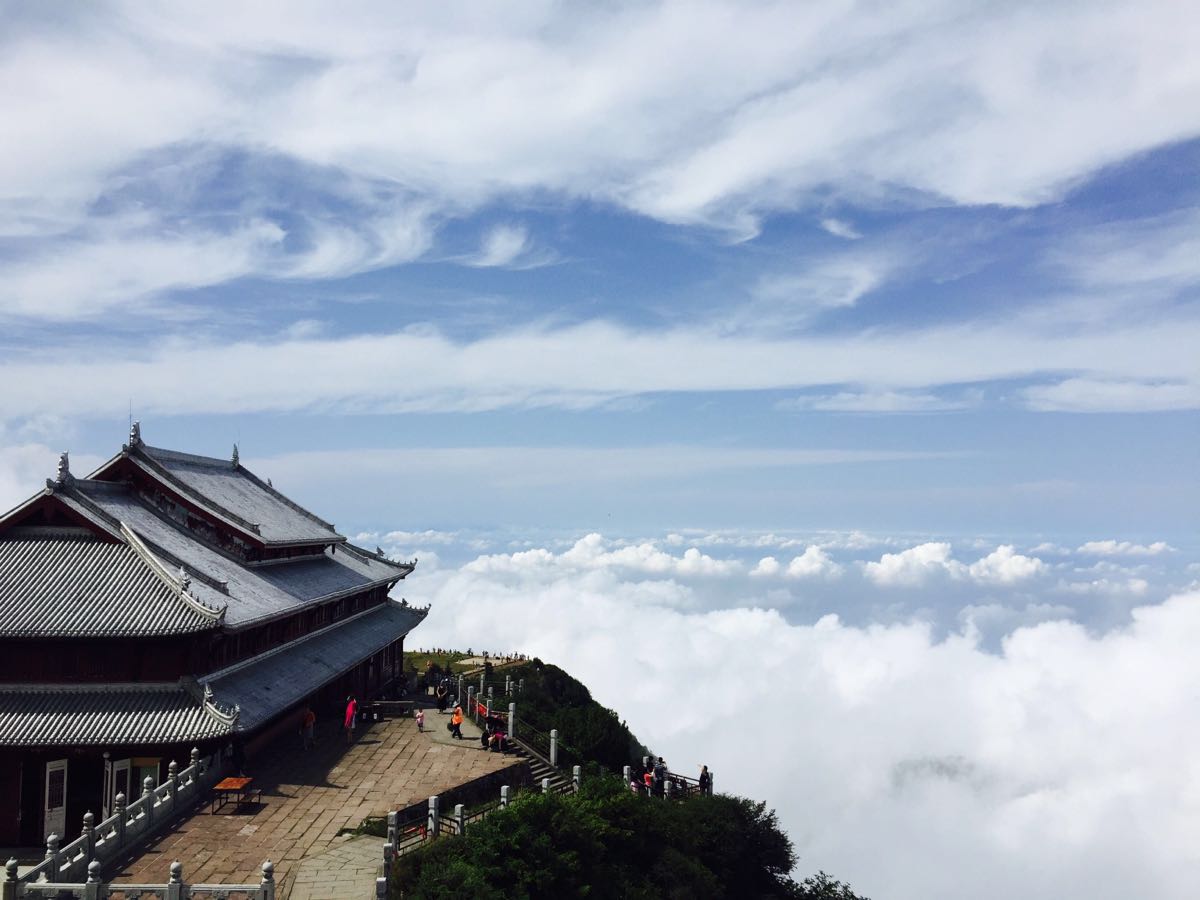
<point x="270" y="684"/>
<point x="77" y="586"/>
<point x="233" y="490"/>
<point x="80" y="716"/>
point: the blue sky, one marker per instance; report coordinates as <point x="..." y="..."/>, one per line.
<point x="701" y="312"/>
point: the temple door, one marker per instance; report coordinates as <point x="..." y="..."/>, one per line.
<point x="116" y="781"/>
<point x="56" y="797"/>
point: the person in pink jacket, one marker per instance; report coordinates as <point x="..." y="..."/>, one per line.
<point x="351" y="714"/>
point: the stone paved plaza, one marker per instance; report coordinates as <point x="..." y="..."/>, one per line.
<point x="307" y="798"/>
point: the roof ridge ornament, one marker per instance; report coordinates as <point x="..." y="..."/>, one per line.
<point x="234" y="459"/>
<point x="135" y="434"/>
<point x="64" y="478"/>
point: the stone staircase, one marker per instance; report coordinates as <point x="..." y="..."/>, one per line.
<point x="540" y="768"/>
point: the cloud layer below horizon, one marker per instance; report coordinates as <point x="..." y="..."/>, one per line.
<point x="911" y="760"/>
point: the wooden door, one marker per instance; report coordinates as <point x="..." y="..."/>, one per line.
<point x="55" y="808"/>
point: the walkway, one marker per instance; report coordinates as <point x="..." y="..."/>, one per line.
<point x="308" y="797"/>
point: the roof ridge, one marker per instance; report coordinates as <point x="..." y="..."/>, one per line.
<point x="178" y="584"/>
<point x="181" y="456"/>
<point x="270" y="488"/>
<point x="214" y="508"/>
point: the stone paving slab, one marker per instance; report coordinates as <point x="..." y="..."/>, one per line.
<point x="308" y="796"/>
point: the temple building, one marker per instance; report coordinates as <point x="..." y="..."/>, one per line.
<point x="168" y="601"/>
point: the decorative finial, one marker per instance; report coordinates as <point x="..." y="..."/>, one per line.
<point x="208" y="694"/>
<point x="135" y="434"/>
<point x="234" y="458"/>
<point x="185" y="580"/>
<point x="269" y="484"/>
<point x="64" y="476"/>
<point x="176" y="872"/>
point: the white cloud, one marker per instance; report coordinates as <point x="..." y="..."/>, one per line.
<point x="593" y="553"/>
<point x="1124" y="548"/>
<point x="914" y="566"/>
<point x="574" y="367"/>
<point x="702" y="112"/>
<point x="841" y="228"/>
<point x="917" y="565"/>
<point x="509" y="246"/>
<point x="812" y="563"/>
<point x="1113" y="395"/>
<point x="1135" y="587"/>
<point x="880" y="402"/>
<point x="1005" y="566"/>
<point x="1067" y="753"/>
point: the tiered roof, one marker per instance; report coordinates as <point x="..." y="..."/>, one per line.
<point x="99" y="557"/>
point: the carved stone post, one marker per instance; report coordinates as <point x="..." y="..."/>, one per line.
<point x="491" y="695"/>
<point x="52" y="855"/>
<point x="175" y="882"/>
<point x="147" y="796"/>
<point x="512" y="720"/>
<point x="8" y="891"/>
<point x="268" y="880"/>
<point x="88" y="833"/>
<point x="521" y="686"/>
<point x="503" y="798"/>
<point x="507" y="685"/>
<point x="91" y="888"/>
<point x="461" y="692"/>
<point x="482" y="681"/>
<point x="667" y="785"/>
<point x="119" y="812"/>
<point x="393" y="828"/>
<point x="460" y="819"/>
<point x="435" y="815"/>
<point x="471" y="703"/>
<point x="554" y="747"/>
<point x="576" y="778"/>
<point x="173" y="781"/>
<point x="545" y="785"/>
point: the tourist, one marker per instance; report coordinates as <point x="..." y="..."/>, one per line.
<point x="648" y="782"/>
<point x="351" y="715"/>
<point x="441" y="697"/>
<point x="486" y="736"/>
<point x="660" y="777"/>
<point x="419" y="715"/>
<point x="456" y="721"/>
<point x="705" y="782"/>
<point x="308" y="727"/>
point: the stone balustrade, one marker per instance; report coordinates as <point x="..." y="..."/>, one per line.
<point x="130" y="825"/>
<point x="94" y="889"/>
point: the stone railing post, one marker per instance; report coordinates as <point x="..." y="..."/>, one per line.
<point x="91" y="888"/>
<point x="554" y="747"/>
<point x="267" y="885"/>
<point x="173" y="781"/>
<point x="393" y="827"/>
<point x="461" y="695"/>
<point x="435" y="816"/>
<point x="175" y="883"/>
<point x="667" y="785"/>
<point x="381" y="888"/>
<point x="576" y="778"/>
<point x="503" y="796"/>
<point x="471" y="703"/>
<point x="147" y="792"/>
<point x="507" y="685"/>
<point x="545" y="785"/>
<point x="119" y="812"/>
<point x="52" y="855"/>
<point x="88" y="833"/>
<point x="627" y="774"/>
<point x="521" y="686"/>
<point x="9" y="889"/>
<point x="482" y="679"/>
<point x="710" y="782"/>
<point x="460" y="819"/>
<point x="512" y="720"/>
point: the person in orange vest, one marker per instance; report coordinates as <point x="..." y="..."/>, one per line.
<point x="456" y="721"/>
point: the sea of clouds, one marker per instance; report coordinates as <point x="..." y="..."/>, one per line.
<point x="930" y="717"/>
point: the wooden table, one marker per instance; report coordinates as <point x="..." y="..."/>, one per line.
<point x="235" y="789"/>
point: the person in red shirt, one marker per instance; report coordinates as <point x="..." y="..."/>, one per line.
<point x="351" y="714"/>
